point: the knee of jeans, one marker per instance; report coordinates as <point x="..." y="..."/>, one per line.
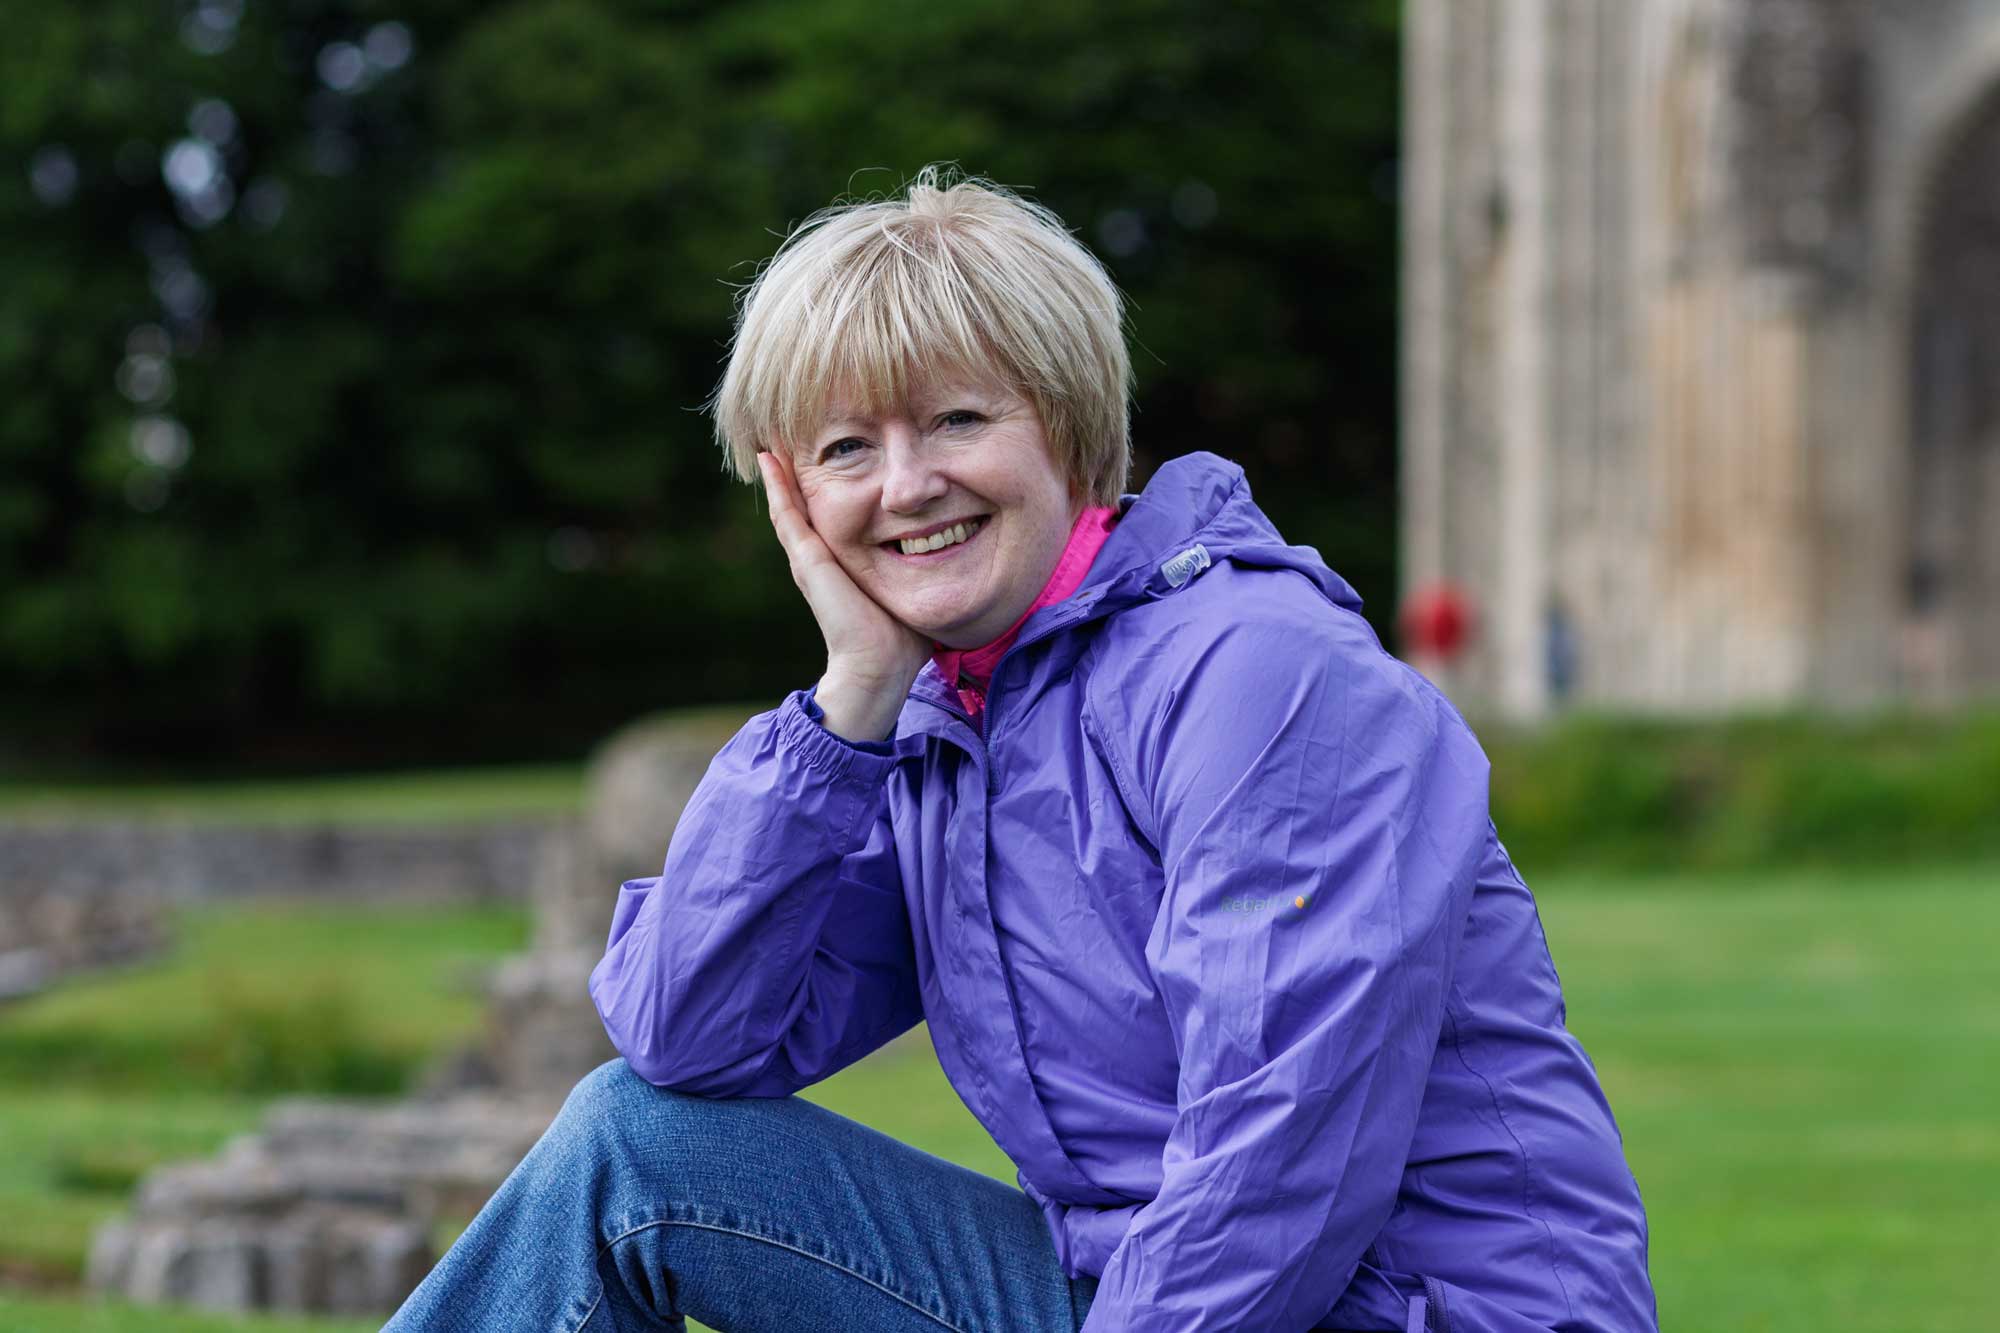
<point x="612" y="1086"/>
<point x="615" y="1094"/>
<point x="616" y="1121"/>
<point x="607" y="1083"/>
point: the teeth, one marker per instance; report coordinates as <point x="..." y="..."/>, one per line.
<point x="937" y="541"/>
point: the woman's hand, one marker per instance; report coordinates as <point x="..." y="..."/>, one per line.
<point x="871" y="657"/>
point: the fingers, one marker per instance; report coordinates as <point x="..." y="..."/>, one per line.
<point x="788" y="515"/>
<point x="857" y="630"/>
<point x="785" y="516"/>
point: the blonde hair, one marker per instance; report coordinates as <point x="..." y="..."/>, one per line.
<point x="958" y="277"/>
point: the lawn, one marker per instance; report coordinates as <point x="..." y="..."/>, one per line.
<point x="1804" y="1065"/>
<point x="1806" y="1069"/>
<point x="101" y="1078"/>
<point x="419" y="797"/>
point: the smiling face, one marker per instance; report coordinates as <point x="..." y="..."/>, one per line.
<point x="959" y="457"/>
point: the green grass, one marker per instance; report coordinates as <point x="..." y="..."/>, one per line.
<point x="105" y="1077"/>
<point x="271" y="998"/>
<point x="1773" y="790"/>
<point x="25" y="1314"/>
<point x="1804" y="1066"/>
<point x="73" y="1154"/>
<point x="419" y="797"/>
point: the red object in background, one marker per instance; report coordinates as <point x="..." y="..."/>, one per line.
<point x="1437" y="620"/>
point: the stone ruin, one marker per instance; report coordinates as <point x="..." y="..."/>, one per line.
<point x="328" y="1207"/>
<point x="1701" y="350"/>
<point x="331" y="1206"/>
<point x="79" y="893"/>
<point x="49" y="930"/>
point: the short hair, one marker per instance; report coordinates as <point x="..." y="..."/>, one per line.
<point x="958" y="277"/>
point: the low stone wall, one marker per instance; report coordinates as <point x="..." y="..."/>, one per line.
<point x="50" y="933"/>
<point x="328" y="1208"/>
<point x="77" y="896"/>
<point x="186" y="862"/>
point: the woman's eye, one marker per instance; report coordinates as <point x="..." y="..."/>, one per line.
<point x="832" y="451"/>
<point x="959" y="418"/>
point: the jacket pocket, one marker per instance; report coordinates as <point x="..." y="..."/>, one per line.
<point x="1447" y="1308"/>
<point x="1379" y="1298"/>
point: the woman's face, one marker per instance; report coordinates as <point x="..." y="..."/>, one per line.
<point x="958" y="452"/>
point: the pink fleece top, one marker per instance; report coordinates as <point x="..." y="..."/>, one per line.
<point x="976" y="665"/>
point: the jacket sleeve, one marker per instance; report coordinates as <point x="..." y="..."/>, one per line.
<point x="774" y="948"/>
<point x="1319" y="813"/>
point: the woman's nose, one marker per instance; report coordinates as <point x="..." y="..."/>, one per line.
<point x="910" y="478"/>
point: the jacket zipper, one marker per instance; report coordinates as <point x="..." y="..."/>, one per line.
<point x="1437" y="1319"/>
<point x="956" y="710"/>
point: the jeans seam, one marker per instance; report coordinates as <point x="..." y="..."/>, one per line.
<point x="752" y="1235"/>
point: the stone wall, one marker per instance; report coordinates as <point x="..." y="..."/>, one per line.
<point x="75" y="896"/>
<point x="183" y="862"/>
<point x="328" y="1208"/>
<point x="50" y="933"/>
<point x="331" y="1205"/>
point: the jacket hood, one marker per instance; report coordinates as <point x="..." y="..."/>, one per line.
<point x="1195" y="511"/>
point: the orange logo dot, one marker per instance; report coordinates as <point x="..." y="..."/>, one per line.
<point x="1299" y="901"/>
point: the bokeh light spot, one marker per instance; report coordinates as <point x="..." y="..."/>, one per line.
<point x="52" y="174"/>
<point x="1194" y="204"/>
<point x="161" y="441"/>
<point x="342" y="66"/>
<point x="214" y="120"/>
<point x="387" y="46"/>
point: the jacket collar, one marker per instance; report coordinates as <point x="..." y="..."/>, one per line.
<point x="1195" y="512"/>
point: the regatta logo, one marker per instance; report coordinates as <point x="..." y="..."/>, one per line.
<point x="1261" y="904"/>
<point x="1180" y="568"/>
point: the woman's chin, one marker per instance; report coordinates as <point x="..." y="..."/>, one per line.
<point x="947" y="624"/>
<point x="949" y="636"/>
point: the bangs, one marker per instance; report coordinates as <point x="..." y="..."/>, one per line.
<point x="864" y="305"/>
<point x="888" y="313"/>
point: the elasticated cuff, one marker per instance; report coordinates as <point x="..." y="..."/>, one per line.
<point x="801" y="728"/>
<point x="818" y="714"/>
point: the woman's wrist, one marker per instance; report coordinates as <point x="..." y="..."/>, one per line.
<point x="856" y="714"/>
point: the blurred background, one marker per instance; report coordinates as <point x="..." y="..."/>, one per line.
<point x="371" y="592"/>
<point x="353" y="352"/>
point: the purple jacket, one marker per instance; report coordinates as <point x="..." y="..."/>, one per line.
<point x="1215" y="937"/>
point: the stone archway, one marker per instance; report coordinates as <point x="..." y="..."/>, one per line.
<point x="1951" y="599"/>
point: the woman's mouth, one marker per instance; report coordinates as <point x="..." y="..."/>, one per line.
<point x="925" y="550"/>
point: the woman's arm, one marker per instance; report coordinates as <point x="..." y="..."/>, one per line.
<point x="774" y="948"/>
<point x="1319" y="818"/>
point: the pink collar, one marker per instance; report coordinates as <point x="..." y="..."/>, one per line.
<point x="1086" y="536"/>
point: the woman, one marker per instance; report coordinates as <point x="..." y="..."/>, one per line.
<point x="1195" y="884"/>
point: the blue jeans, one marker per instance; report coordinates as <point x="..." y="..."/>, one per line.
<point x="639" y="1207"/>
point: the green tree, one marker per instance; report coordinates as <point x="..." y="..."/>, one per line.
<point x="351" y="353"/>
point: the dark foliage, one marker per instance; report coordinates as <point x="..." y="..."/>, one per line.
<point x="349" y="354"/>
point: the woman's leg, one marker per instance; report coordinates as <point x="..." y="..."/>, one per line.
<point x="641" y="1206"/>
